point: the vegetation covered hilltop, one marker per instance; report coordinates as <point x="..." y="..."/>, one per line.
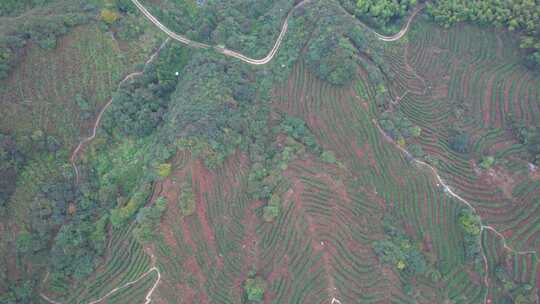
<point x="353" y="167"/>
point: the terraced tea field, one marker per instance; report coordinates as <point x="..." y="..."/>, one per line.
<point x="472" y="78"/>
<point x="344" y="123"/>
<point x="323" y="247"/>
<point x="472" y="69"/>
<point x="320" y="246"/>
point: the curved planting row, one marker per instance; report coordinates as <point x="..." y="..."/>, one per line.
<point x="492" y="83"/>
<point x="460" y="287"/>
<point x="188" y="251"/>
<point x="509" y="272"/>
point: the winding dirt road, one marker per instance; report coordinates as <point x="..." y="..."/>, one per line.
<point x="224" y="51"/>
<point x="403" y="31"/>
<point x="277" y="44"/>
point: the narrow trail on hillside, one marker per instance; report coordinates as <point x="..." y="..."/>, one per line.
<point x="81" y="144"/>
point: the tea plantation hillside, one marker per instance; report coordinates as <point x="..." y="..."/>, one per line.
<point x="339" y="151"/>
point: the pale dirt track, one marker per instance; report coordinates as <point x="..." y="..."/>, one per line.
<point x="403" y="31"/>
<point x="223" y="51"/>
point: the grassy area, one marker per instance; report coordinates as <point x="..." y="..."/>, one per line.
<point x="61" y="91"/>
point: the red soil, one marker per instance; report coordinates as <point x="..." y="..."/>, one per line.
<point x="249" y="222"/>
<point x="498" y="178"/>
<point x="529" y="243"/>
<point x="410" y="230"/>
<point x="187" y="292"/>
<point x="170" y="190"/>
<point x="313" y="121"/>
<point x="158" y="189"/>
<point x="527" y="113"/>
<point x="336" y="185"/>
<point x="507" y="234"/>
<point x="363" y="102"/>
<point x="191" y="264"/>
<point x="297" y="190"/>
<point x="440" y="92"/>
<point x="487" y="100"/>
<point x="535" y="105"/>
<point x="534" y="174"/>
<point x="507" y="88"/>
<point x="317" y="244"/>
<point x="516" y="101"/>
<point x="397" y="177"/>
<point x="193" y="267"/>
<point x="204" y="179"/>
<point x="372" y="160"/>
<point x="498" y="115"/>
<point x="502" y="145"/>
<point x="168" y="234"/>
<point x="526" y="276"/>
<point x="466" y="80"/>
<point x="427" y="243"/>
<point x="234" y="165"/>
<point x="280" y="272"/>
<point x="426" y="215"/>
<point x="475" y="278"/>
<point x="358" y="151"/>
<point x="444" y="207"/>
<point x="249" y="245"/>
